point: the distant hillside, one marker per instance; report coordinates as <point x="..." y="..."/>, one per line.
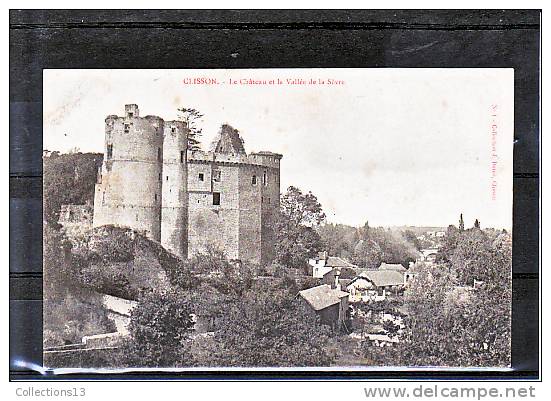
<point x="418" y="230"/>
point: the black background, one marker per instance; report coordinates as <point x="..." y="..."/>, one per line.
<point x="267" y="39"/>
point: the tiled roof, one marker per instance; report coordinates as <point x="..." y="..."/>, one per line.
<point x="322" y="296"/>
<point x="383" y="278"/>
<point x="335" y="261"/>
<point x="392" y="266"/>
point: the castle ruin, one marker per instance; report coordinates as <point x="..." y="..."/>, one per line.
<point x="187" y="200"/>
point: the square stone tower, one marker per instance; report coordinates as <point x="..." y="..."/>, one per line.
<point x="233" y="199"/>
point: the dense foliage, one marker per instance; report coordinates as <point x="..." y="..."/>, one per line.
<point x="367" y="246"/>
<point x="459" y="311"/>
<point x="160" y="326"/>
<point x="70" y="312"/>
<point x="271" y="328"/>
<point x="297" y="240"/>
<point x="242" y="320"/>
<point x="210" y="311"/>
<point x="68" y="179"/>
<point x="124" y="263"/>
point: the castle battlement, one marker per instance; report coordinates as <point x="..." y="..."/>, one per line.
<point x="261" y="159"/>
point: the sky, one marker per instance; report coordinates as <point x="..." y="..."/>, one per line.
<point x="390" y="146"/>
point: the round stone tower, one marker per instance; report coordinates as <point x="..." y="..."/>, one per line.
<point x="128" y="192"/>
<point x="174" y="184"/>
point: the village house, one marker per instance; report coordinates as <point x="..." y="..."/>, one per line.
<point x="323" y="264"/>
<point x="342" y="274"/>
<point x="375" y="285"/>
<point x="329" y="303"/>
<point x="392" y="266"/>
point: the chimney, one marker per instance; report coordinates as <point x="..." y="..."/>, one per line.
<point x="336" y="285"/>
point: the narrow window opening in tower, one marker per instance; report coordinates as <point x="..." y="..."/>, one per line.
<point x="126" y="128"/>
<point x="173" y="129"/>
<point x="158" y="154"/>
<point x="167" y="177"/>
<point x="182" y="156"/>
<point x="265" y="178"/>
<point x="216" y="198"/>
<point x="253" y="181"/>
<point x="160" y="177"/>
<point x="155" y="197"/>
<point x="201" y="177"/>
<point x="109" y="151"/>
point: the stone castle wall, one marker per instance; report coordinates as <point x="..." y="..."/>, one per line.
<point x="211" y="224"/>
<point x="174" y="213"/>
<point x="242" y="225"/>
<point x="187" y="200"/>
<point x="129" y="192"/>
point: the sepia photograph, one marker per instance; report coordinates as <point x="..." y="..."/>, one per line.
<point x="343" y="218"/>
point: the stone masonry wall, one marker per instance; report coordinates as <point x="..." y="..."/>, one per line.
<point x="150" y="183"/>
<point x="211" y="224"/>
<point x="129" y="193"/>
<point x="174" y="213"/>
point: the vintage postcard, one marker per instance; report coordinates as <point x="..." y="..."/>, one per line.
<point x="285" y="218"/>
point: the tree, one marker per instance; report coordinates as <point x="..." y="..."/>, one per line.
<point x="411" y="237"/>
<point x="477" y="224"/>
<point x="191" y="117"/>
<point x="58" y="274"/>
<point x="296" y="240"/>
<point x="270" y="328"/>
<point x="461" y="223"/>
<point x="160" y="327"/>
<point x="69" y="311"/>
<point x="382" y="245"/>
<point x="339" y="239"/>
<point x="449" y="244"/>
<point x="68" y="179"/>
<point x="301" y="209"/>
<point x="77" y="314"/>
<point x="452" y="323"/>
<point x="367" y="254"/>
